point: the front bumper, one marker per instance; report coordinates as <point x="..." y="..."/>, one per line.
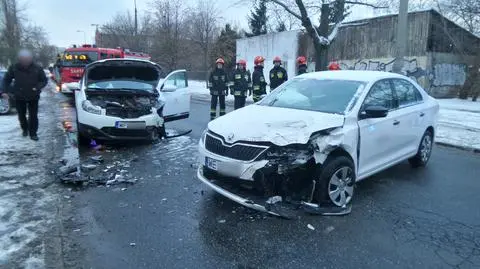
<point x="111" y="133"/>
<point x="69" y="87"/>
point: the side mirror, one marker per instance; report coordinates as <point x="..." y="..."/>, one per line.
<point x="168" y="88"/>
<point x="374" y="112"/>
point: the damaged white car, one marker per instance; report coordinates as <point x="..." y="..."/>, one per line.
<point x="308" y="142"/>
<point x="129" y="99"/>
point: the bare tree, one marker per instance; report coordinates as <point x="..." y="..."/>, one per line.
<point x="11" y="29"/>
<point x="324" y="34"/>
<point x="204" y="22"/>
<point x="464" y="12"/>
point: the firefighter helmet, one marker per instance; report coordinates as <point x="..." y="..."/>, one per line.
<point x="220" y="61"/>
<point x="301" y="60"/>
<point x="259" y="60"/>
<point x="242" y="62"/>
<point x="334" y="66"/>
<point x="277" y="59"/>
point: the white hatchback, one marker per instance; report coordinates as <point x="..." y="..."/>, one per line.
<point x="314" y="137"/>
<point x="129" y="99"/>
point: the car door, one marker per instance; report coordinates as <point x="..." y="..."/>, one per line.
<point x="174" y="91"/>
<point x="377" y="135"/>
<point x="410" y="116"/>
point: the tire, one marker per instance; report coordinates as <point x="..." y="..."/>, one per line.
<point x="330" y="177"/>
<point x="424" y="151"/>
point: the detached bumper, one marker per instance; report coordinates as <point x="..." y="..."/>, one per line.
<point x="234" y="197"/>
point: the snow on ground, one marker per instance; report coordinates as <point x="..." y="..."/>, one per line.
<point x="458" y="125"/>
<point x="25" y="202"/>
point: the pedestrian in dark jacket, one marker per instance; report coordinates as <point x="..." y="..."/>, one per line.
<point x="278" y="74"/>
<point x="242" y="83"/>
<point x="258" y="79"/>
<point x="302" y="65"/>
<point x="218" y="84"/>
<point x="28" y="81"/>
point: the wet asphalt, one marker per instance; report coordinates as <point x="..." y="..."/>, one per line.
<point x="401" y="218"/>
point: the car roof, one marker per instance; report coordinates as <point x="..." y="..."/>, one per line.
<point x="354" y="75"/>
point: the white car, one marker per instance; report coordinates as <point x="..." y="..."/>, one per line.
<point x="129" y="99"/>
<point x="314" y="137"/>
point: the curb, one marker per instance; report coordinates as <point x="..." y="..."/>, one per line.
<point x="474" y="150"/>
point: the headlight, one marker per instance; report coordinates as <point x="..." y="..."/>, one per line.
<point x="202" y="138"/>
<point x="88" y="107"/>
<point x="64" y="87"/>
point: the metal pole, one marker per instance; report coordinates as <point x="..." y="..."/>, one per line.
<point x="136" y="19"/>
<point x="402" y="36"/>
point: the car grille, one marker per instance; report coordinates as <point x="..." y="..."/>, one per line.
<point x="126" y="113"/>
<point x="240" y="152"/>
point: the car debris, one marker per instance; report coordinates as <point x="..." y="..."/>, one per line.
<point x="222" y="221"/>
<point x="133" y="244"/>
<point x="98" y="159"/>
<point x="310" y="226"/>
<point x="89" y="167"/>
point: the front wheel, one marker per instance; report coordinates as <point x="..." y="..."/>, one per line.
<point x="336" y="182"/>
<point x="424" y="151"/>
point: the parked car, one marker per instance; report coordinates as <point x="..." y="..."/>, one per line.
<point x="6" y="106"/>
<point x="129" y="99"/>
<point x="313" y="138"/>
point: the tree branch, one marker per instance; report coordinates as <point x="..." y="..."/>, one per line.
<point x="364" y="4"/>
<point x="286" y="8"/>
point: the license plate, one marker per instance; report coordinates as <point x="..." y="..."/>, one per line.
<point x="130" y="125"/>
<point x="211" y="163"/>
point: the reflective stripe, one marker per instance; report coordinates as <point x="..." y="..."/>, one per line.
<point x="238" y="93"/>
<point x="256" y="87"/>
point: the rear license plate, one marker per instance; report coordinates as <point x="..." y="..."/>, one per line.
<point x="211" y="163"/>
<point x="130" y="125"/>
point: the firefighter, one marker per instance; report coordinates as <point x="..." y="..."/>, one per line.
<point x="218" y="86"/>
<point x="242" y="83"/>
<point x="278" y="74"/>
<point x="258" y="79"/>
<point x="302" y="65"/>
<point x="333" y="66"/>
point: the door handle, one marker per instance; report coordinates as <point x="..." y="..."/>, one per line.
<point x="396" y="122"/>
<point x="422" y="114"/>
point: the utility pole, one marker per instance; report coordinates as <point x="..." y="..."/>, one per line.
<point x="136" y="18"/>
<point x="402" y="37"/>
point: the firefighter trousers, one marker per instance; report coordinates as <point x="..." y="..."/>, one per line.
<point x="213" y="106"/>
<point x="239" y="102"/>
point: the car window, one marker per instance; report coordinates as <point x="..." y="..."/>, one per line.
<point x="407" y="93"/>
<point x="380" y="94"/>
<point x="178" y="80"/>
<point x="323" y="95"/>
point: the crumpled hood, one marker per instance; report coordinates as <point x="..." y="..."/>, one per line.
<point x="123" y="69"/>
<point x="280" y="126"/>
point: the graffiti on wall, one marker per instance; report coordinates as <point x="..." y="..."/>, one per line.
<point x="442" y="80"/>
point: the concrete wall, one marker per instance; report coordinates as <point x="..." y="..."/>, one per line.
<point x="282" y="44"/>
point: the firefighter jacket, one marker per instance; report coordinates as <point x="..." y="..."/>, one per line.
<point x="242" y="82"/>
<point x="302" y="69"/>
<point x="218" y="82"/>
<point x="258" y="82"/>
<point x="278" y="75"/>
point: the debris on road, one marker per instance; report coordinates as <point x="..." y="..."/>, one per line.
<point x="274" y="199"/>
<point x="89" y="166"/>
<point x="222" y="221"/>
<point x="123" y="189"/>
<point x="329" y="229"/>
<point x="133" y="244"/>
<point x="98" y="159"/>
<point x="311" y="227"/>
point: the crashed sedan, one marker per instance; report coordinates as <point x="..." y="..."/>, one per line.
<point x="307" y="143"/>
<point x="129" y="99"/>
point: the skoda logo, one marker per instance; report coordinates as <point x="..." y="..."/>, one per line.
<point x="230" y="137"/>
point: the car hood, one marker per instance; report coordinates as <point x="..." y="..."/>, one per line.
<point x="280" y="126"/>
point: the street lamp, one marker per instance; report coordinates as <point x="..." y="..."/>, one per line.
<point x="84" y="36"/>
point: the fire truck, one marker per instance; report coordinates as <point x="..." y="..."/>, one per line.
<point x="71" y="64"/>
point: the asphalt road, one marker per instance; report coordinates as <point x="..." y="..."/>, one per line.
<point x="401" y="218"/>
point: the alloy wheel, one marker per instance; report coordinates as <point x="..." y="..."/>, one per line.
<point x="426" y="148"/>
<point x="340" y="186"/>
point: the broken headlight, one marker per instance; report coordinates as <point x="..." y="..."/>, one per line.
<point x="90" y="108"/>
<point x="289" y="156"/>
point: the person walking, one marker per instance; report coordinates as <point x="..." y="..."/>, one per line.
<point x="278" y="74"/>
<point x="28" y="81"/>
<point x="302" y="65"/>
<point x="242" y="83"/>
<point x="258" y="79"/>
<point x="218" y="86"/>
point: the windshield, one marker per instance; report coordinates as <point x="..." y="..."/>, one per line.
<point x="330" y="96"/>
<point x="79" y="58"/>
<point x="121" y="85"/>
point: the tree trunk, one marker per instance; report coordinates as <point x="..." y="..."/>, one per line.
<point x="321" y="51"/>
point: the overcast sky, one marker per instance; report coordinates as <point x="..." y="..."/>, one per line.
<point x="62" y="19"/>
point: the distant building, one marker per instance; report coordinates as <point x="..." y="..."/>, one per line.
<point x="439" y="51"/>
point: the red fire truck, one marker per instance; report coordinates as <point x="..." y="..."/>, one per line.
<point x="73" y="61"/>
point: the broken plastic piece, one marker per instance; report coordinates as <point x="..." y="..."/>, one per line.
<point x="274" y="199"/>
<point x="310" y="226"/>
<point x="98" y="159"/>
<point x="89" y="166"/>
